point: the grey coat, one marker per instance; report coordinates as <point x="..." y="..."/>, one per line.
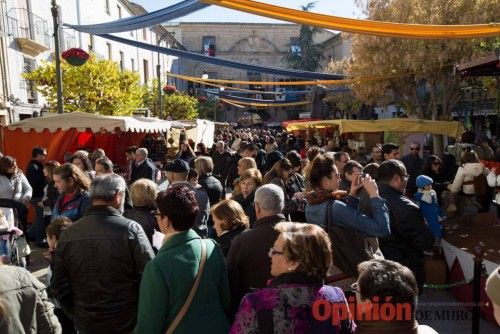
<point x="25" y="303"/>
<point x="17" y="188"/>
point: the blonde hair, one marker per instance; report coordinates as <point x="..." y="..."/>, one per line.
<point x="247" y="163"/>
<point x="204" y="165"/>
<point x="252" y="173"/>
<point x="143" y="193"/>
<point x="231" y="213"/>
<point x="307" y="244"/>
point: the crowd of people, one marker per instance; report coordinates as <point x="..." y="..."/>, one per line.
<point x="250" y="236"/>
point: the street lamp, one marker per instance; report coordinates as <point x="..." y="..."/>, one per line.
<point x="59" y="83"/>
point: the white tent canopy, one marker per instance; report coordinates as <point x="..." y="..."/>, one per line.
<point x="82" y="121"/>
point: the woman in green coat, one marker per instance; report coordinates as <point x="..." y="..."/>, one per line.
<point x="168" y="278"/>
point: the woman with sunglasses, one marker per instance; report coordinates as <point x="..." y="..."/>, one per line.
<point x="432" y="168"/>
<point x="300" y="258"/>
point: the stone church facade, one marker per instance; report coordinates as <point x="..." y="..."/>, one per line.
<point x="254" y="43"/>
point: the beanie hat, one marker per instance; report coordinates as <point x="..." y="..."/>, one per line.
<point x="493" y="286"/>
<point x="423" y="180"/>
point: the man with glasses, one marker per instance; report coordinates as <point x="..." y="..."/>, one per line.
<point x="36" y="178"/>
<point x="413" y="163"/>
<point x="410" y="236"/>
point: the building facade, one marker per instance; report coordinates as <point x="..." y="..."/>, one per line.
<point x="26" y="41"/>
<point x="253" y="43"/>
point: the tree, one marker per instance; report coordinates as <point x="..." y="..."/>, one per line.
<point x="209" y="107"/>
<point x="416" y="74"/>
<point x="98" y="86"/>
<point x="305" y="55"/>
<point x="180" y="106"/>
<point x="346" y="102"/>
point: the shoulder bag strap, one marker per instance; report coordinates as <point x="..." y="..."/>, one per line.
<point x="187" y="303"/>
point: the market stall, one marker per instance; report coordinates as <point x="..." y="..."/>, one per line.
<point x="73" y="131"/>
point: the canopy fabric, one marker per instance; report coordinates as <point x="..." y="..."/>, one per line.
<point x="223" y="62"/>
<point x="392" y="125"/>
<point x="142" y="21"/>
<point x="264" y="104"/>
<point x="82" y="121"/>
<point x="418" y="31"/>
<point x="263" y="83"/>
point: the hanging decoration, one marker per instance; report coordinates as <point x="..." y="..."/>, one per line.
<point x="75" y="56"/>
<point x="368" y="27"/>
<point x="169" y="89"/>
<point x="173" y="12"/>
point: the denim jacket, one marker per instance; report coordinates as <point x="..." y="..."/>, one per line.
<point x="348" y="215"/>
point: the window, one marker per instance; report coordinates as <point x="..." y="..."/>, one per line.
<point x="145" y="34"/>
<point x="295" y="46"/>
<point x="209" y="46"/>
<point x="119" y="11"/>
<point x="110" y="51"/>
<point x="132" y="62"/>
<point x="122" y="61"/>
<point x="108" y="10"/>
<point x="28" y="66"/>
<point x="145" y="66"/>
<point x="91" y="43"/>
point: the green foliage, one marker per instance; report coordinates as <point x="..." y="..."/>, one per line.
<point x="98" y="86"/>
<point x="206" y="110"/>
<point x="180" y="106"/>
<point x="345" y="103"/>
<point x="310" y="54"/>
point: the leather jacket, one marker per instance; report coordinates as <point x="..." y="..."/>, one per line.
<point x="97" y="270"/>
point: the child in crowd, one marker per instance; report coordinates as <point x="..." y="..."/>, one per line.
<point x="53" y="233"/>
<point x="426" y="197"/>
<point x="4" y="239"/>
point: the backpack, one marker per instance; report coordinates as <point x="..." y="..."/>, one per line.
<point x="349" y="247"/>
<point x="480" y="184"/>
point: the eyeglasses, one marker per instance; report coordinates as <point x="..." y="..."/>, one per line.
<point x="405" y="177"/>
<point x="355" y="287"/>
<point x="273" y="252"/>
<point x="414" y="148"/>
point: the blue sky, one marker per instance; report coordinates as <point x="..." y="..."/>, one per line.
<point x="345" y="8"/>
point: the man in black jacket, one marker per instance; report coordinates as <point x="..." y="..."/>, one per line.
<point x="142" y="167"/>
<point x="410" y="236"/>
<point x="248" y="262"/>
<point x="221" y="158"/>
<point x="34" y="174"/>
<point x="99" y="261"/>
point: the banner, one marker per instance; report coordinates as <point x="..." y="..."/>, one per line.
<point x="378" y="28"/>
<point x="142" y="21"/>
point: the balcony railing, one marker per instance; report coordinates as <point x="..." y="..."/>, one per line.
<point x="23" y="24"/>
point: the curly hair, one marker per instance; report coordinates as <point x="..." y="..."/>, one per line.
<point x="307" y="244"/>
<point x="179" y="204"/>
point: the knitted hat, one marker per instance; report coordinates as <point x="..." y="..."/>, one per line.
<point x="493" y="286"/>
<point x="423" y="180"/>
